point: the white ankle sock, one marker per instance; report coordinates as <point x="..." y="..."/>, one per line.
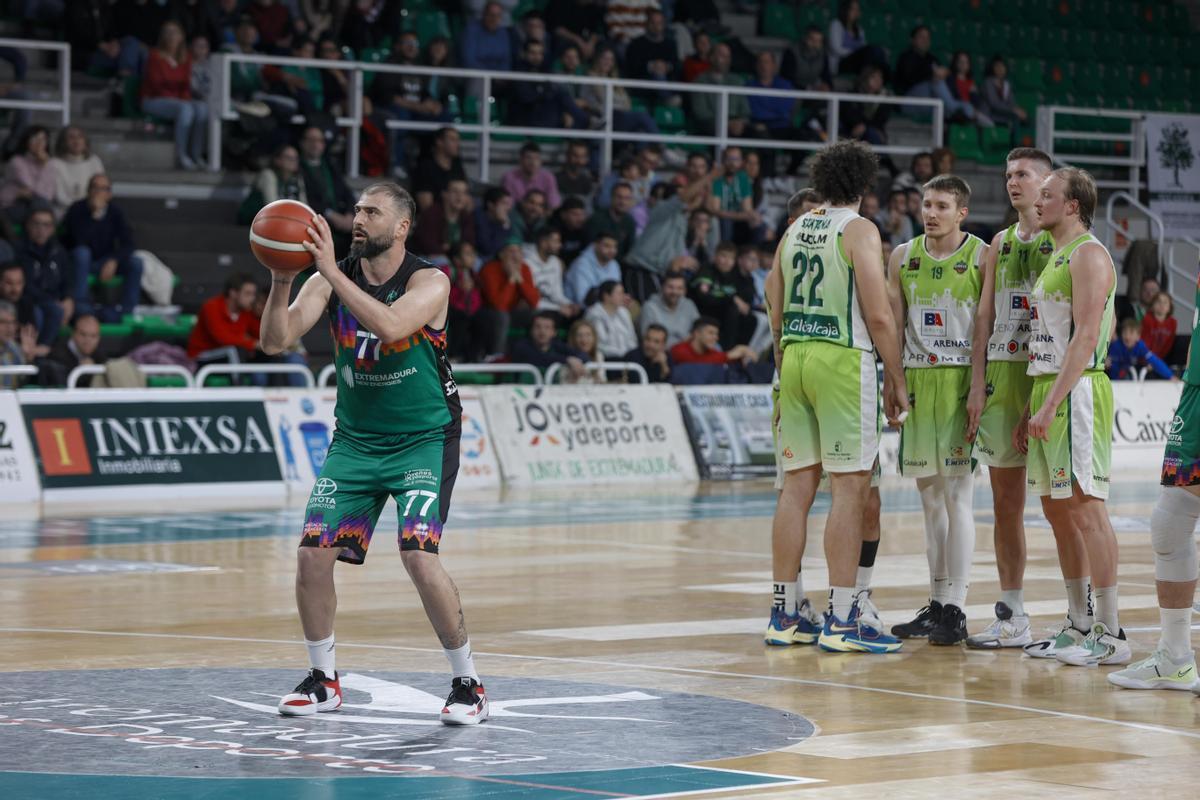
<point x="863" y="579"/>
<point x="1106" y="608"/>
<point x="321" y="655"/>
<point x="461" y="663"/>
<point x="1176" y="632"/>
<point x="799" y="597"/>
<point x="783" y="596"/>
<point x="940" y="590"/>
<point x="1079" y="602"/>
<point x="841" y="598"/>
<point x="1014" y="599"/>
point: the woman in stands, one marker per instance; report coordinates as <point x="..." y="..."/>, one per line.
<point x="591" y="99"/>
<point x="167" y="92"/>
<point x="847" y="43"/>
<point x="582" y="336"/>
<point x="74" y="165"/>
<point x="29" y="176"/>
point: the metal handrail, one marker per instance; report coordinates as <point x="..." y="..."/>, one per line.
<point x="147" y="369"/>
<point x="19" y="369"/>
<point x="249" y="369"/>
<point x="1048" y="131"/>
<point x="63" y="106"/>
<point x="328" y="371"/>
<point x="554" y="370"/>
<point x="498" y="369"/>
<point x="1166" y="257"/>
<point x="220" y="102"/>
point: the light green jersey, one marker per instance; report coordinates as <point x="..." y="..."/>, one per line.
<point x="1018" y="265"/>
<point x="1192" y="373"/>
<point x="818" y="281"/>
<point x="942" y="295"/>
<point x="1050" y="316"/>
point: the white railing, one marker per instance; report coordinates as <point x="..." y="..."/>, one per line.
<point x="603" y="367"/>
<point x="207" y="371"/>
<point x="500" y="369"/>
<point x="146" y="369"/>
<point x="221" y="109"/>
<point x="1050" y="129"/>
<point x="62" y="105"/>
<point x="1181" y="280"/>
<point x="18" y="370"/>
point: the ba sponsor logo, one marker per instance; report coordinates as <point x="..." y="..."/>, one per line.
<point x="1019" y="307"/>
<point x="1033" y="314"/>
<point x="933" y="322"/>
<point x="960" y="267"/>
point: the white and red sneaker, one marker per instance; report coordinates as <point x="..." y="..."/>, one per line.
<point x="467" y="703"/>
<point x="315" y="693"/>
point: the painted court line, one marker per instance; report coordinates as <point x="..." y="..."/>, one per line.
<point x="650" y="668"/>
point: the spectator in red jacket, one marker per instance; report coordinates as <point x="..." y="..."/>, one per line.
<point x="167" y="92"/>
<point x="474" y="329"/>
<point x="702" y="347"/>
<point x="508" y="287"/>
<point x="227" y="320"/>
<point x="1159" y="326"/>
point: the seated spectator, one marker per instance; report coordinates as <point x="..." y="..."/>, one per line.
<point x="671" y="309"/>
<point x="806" y="63"/>
<point x="868" y="208"/>
<point x="575" y="178"/>
<point x="487" y="42"/>
<point x="47" y="275"/>
<point x="723" y="293"/>
<point x="652" y="355"/>
<point x="610" y="317"/>
<point x="698" y="63"/>
<point x="474" y="330"/>
<point x="615" y="219"/>
<point x="701" y="346"/>
<point x="370" y="24"/>
<point x="732" y="198"/>
<point x="705" y="105"/>
<point x="571" y="220"/>
<point x="595" y="265"/>
<point x="324" y="183"/>
<point x="245" y="79"/>
<point x="442" y="165"/>
<point x="101" y="245"/>
<point x="404" y="96"/>
<point x="1159" y="326"/>
<point x="547" y="269"/>
<point x="446" y="90"/>
<point x="849" y="52"/>
<point x="280" y="181"/>
<point x="896" y="225"/>
<point x="920" y="172"/>
<point x="529" y="216"/>
<point x="752" y="164"/>
<point x="167" y="92"/>
<point x="320" y="17"/>
<point x="577" y="23"/>
<point x="18" y="344"/>
<point x="529" y="174"/>
<point x="915" y="200"/>
<point x="542" y="104"/>
<point x="771" y="116"/>
<point x="919" y="73"/>
<point x="81" y="348"/>
<point x="508" y="288"/>
<point x="653" y="56"/>
<point x="582" y="337"/>
<point x="201" y="69"/>
<point x="274" y="22"/>
<point x="74" y="165"/>
<point x="625" y="171"/>
<point x="542" y="348"/>
<point x="866" y="121"/>
<point x="12" y="290"/>
<point x="998" y="99"/>
<point x="444" y="224"/>
<point x="944" y="161"/>
<point x="626" y="20"/>
<point x="962" y="85"/>
<point x="754" y="273"/>
<point x="302" y="87"/>
<point x="1128" y="353"/>
<point x="227" y="321"/>
<point x="1139" y="306"/>
<point x="493" y="226"/>
<point x="29" y="176"/>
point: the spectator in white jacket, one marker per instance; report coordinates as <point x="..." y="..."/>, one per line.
<point x="74" y="166"/>
<point x="542" y="259"/>
<point x="614" y="326"/>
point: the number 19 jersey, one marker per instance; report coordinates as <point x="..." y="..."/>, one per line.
<point x="819" y="302"/>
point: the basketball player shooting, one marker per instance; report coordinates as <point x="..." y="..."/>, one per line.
<point x="398" y="424"/>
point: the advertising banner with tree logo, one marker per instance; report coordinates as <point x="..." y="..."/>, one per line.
<point x="1173" y="171"/>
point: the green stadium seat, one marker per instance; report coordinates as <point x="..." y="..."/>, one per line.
<point x="165" y="381"/>
<point x="964" y="141"/>
<point x="996" y="142"/>
<point x="779" y="19"/>
<point x="1028" y="74"/>
<point x="669" y="119"/>
<point x="1081" y="45"/>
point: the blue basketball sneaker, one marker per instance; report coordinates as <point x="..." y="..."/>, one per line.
<point x="858" y="634"/>
<point x="803" y="627"/>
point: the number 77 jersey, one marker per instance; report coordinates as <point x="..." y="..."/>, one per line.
<point x="818" y="282"/>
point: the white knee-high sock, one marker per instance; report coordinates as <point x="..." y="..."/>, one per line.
<point x="937" y="530"/>
<point x="321" y="655"/>
<point x="960" y="544"/>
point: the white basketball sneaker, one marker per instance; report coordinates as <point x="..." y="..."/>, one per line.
<point x="1158" y="671"/>
<point x="1067" y="637"/>
<point x="1007" y="630"/>
<point x="316" y="693"/>
<point x="467" y="703"/>
<point x="1099" y="648"/>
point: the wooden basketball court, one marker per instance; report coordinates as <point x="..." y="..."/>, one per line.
<point x="618" y="632"/>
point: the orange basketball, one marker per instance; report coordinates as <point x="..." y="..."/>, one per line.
<point x="276" y="234"/>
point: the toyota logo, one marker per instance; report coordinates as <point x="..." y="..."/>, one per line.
<point x="324" y="487"/>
